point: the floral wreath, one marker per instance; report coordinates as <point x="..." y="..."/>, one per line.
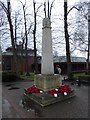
<point x="63" y="89"/>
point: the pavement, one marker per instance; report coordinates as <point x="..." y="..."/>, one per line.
<point x="12" y="94"/>
<point x="0" y="100"/>
<point x="0" y="95"/>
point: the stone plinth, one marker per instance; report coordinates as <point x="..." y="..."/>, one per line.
<point x="44" y="99"/>
<point x="47" y="82"/>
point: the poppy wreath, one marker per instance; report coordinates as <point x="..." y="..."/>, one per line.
<point x="32" y="89"/>
<point x="62" y="89"/>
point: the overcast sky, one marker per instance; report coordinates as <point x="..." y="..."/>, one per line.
<point x="57" y="10"/>
<point x="70" y="2"/>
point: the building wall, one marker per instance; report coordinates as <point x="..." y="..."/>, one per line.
<point x="76" y="66"/>
<point x="8" y="63"/>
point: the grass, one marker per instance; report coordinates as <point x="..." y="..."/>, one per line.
<point x="76" y="75"/>
<point x="27" y="77"/>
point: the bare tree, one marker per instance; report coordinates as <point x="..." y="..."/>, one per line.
<point x="8" y="13"/>
<point x="81" y="32"/>
<point x="26" y="39"/>
<point x="67" y="39"/>
<point x="25" y="36"/>
<point x="34" y="36"/>
<point x="88" y="54"/>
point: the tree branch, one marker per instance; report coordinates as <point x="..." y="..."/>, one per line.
<point x="72" y="8"/>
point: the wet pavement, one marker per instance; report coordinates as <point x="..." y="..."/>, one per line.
<point x="76" y="107"/>
<point x="0" y="100"/>
<point x="8" y="111"/>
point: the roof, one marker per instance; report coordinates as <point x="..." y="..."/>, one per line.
<point x="9" y="51"/>
<point x="73" y="59"/>
<point x="55" y="58"/>
<point x="61" y="59"/>
<point x="19" y="48"/>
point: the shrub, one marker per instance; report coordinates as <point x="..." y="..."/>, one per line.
<point x="8" y="76"/>
<point x="29" y="76"/>
<point x="84" y="77"/>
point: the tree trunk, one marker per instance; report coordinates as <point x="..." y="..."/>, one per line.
<point x="88" y="54"/>
<point x="26" y="64"/>
<point x="12" y="37"/>
<point x="67" y="40"/>
<point x="34" y="37"/>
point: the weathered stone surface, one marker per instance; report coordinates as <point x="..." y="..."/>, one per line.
<point x="47" y="82"/>
<point x="47" y="66"/>
<point x="44" y="99"/>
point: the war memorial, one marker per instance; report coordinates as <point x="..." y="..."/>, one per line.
<point x="47" y="88"/>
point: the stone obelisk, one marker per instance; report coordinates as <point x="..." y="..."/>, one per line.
<point x="47" y="80"/>
<point x="47" y="54"/>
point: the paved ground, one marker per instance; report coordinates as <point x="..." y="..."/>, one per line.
<point x="76" y="107"/>
<point x="0" y="100"/>
<point x="0" y="94"/>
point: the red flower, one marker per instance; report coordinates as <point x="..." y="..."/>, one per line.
<point x="63" y="88"/>
<point x="32" y="89"/>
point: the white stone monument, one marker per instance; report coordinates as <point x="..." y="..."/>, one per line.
<point x="47" y="55"/>
<point x="47" y="80"/>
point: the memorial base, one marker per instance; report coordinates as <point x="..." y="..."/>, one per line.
<point x="47" y="82"/>
<point x="44" y="99"/>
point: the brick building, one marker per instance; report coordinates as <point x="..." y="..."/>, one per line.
<point x="7" y="59"/>
<point x="78" y="63"/>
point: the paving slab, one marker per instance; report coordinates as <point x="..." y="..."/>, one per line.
<point x="76" y="107"/>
